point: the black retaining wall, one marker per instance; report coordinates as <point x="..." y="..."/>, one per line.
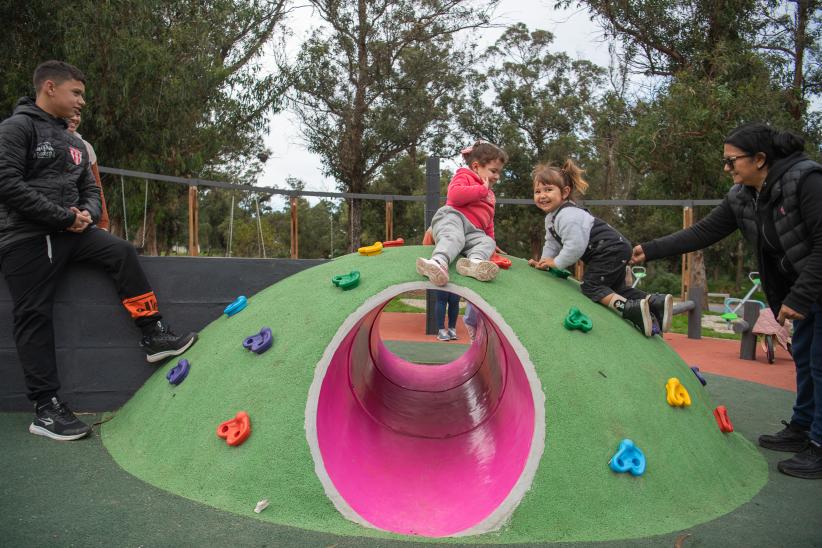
<point x="100" y="362"/>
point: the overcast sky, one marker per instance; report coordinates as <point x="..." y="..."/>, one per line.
<point x="574" y="34"/>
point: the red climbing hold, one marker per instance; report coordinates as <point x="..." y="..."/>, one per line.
<point x="500" y="261"/>
<point x="235" y="431"/>
<point x="721" y="415"/>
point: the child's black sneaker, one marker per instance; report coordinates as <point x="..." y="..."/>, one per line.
<point x="638" y="313"/>
<point x="161" y="342"/>
<point x="662" y="307"/>
<point x="806" y="464"/>
<point x="55" y="420"/>
<point x="791" y="439"/>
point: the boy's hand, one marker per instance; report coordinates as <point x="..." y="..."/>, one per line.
<point x="638" y="256"/>
<point x="81" y="220"/>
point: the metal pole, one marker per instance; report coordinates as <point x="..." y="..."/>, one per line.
<point x="432" y="203"/>
<point x="747" y="347"/>
<point x="294" y="232"/>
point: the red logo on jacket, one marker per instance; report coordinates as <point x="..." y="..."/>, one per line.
<point x="76" y="155"/>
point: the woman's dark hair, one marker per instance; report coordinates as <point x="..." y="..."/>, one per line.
<point x="774" y="144"/>
<point x="483" y="152"/>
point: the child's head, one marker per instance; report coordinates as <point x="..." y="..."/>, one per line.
<point x="553" y="186"/>
<point x="485" y="159"/>
<point x="60" y="88"/>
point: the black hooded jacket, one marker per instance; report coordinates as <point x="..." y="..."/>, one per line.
<point x="783" y="222"/>
<point x="44" y="170"/>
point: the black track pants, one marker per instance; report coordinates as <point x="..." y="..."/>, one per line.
<point x="34" y="267"/>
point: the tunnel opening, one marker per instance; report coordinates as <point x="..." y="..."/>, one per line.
<point x="443" y="450"/>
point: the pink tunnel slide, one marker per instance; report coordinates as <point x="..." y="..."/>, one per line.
<point x="436" y="451"/>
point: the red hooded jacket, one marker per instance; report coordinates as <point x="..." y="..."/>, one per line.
<point x="469" y="196"/>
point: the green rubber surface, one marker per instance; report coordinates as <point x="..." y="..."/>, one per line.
<point x="600" y="387"/>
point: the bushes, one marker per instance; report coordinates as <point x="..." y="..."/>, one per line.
<point x="662" y="282"/>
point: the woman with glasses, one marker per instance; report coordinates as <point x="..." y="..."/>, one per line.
<point x="776" y="202"/>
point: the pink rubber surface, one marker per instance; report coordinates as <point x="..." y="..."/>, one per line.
<point x="418" y="449"/>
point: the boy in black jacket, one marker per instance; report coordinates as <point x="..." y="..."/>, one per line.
<point x="49" y="203"/>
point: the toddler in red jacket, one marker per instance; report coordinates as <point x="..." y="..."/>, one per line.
<point x="465" y="224"/>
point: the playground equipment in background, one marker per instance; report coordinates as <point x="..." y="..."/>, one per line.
<point x="765" y="324"/>
<point x="638" y="272"/>
<point x="730" y="313"/>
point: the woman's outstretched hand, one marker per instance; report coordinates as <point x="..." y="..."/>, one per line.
<point x="638" y="256"/>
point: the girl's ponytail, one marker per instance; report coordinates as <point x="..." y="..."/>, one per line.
<point x="573" y="174"/>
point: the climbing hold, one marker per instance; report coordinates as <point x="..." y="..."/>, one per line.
<point x="628" y="458"/>
<point x="375" y="249"/>
<point x="394" y="243"/>
<point x="721" y="416"/>
<point x="260" y="342"/>
<point x="677" y="395"/>
<point x="347" y="281"/>
<point x="577" y="320"/>
<point x="502" y="262"/>
<point x="179" y="372"/>
<point x="239" y="303"/>
<point x="235" y="431"/>
<point x="699" y="376"/>
<point x="559" y="272"/>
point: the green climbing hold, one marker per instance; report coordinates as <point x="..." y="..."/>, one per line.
<point x="577" y="320"/>
<point x="559" y="272"/>
<point x="347" y="281"/>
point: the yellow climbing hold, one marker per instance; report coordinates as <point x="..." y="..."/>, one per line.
<point x="677" y="394"/>
<point x="368" y="250"/>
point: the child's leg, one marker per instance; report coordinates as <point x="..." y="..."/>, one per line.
<point x="439" y="315"/>
<point x="635" y="311"/>
<point x="602" y="273"/>
<point x="453" y="310"/>
<point x="450" y="237"/>
<point x="661" y="305"/>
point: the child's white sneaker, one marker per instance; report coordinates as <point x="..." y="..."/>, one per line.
<point x="433" y="270"/>
<point x="484" y="271"/>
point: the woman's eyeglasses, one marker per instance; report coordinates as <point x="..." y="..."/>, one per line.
<point x="729" y="160"/>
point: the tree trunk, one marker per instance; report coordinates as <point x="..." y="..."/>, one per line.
<point x="354" y="224"/>
<point x="698" y="278"/>
<point x="803" y="12"/>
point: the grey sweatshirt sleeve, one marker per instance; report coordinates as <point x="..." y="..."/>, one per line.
<point x="551" y="247"/>
<point x="573" y="225"/>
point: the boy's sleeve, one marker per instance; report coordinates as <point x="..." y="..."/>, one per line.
<point x="462" y="191"/>
<point x="551" y="247"/>
<point x="574" y="231"/>
<point x="17" y="193"/>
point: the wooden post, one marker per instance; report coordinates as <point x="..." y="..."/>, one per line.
<point x="687" y="221"/>
<point x="389" y="220"/>
<point x="579" y="270"/>
<point x="695" y="314"/>
<point x="747" y="346"/>
<point x="294" y="229"/>
<point x="193" y="222"/>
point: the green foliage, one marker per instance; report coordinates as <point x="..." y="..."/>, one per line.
<point x="379" y="82"/>
<point x="662" y="282"/>
<point x="173" y="88"/>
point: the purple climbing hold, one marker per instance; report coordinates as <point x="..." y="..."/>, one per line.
<point x="260" y="342"/>
<point x="699" y="376"/>
<point x="179" y="372"/>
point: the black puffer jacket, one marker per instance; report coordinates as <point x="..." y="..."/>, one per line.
<point x="44" y="170"/>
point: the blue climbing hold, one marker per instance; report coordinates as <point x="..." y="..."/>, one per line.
<point x="179" y="372"/>
<point x="239" y="304"/>
<point x="699" y="376"/>
<point x="260" y="342"/>
<point x="628" y="458"/>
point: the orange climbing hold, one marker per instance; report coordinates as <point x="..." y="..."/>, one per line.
<point x="235" y="431"/>
<point x="677" y="396"/>
<point x="500" y="261"/>
<point x="394" y="243"/>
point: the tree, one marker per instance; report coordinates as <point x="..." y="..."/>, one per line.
<point x="174" y="88"/>
<point x="378" y="81"/>
<point x="540" y="111"/>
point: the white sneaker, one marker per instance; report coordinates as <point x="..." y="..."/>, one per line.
<point x="433" y="270"/>
<point x="483" y="271"/>
<point x="442" y="335"/>
<point x="452" y="334"/>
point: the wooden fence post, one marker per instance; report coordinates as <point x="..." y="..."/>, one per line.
<point x="687" y="221"/>
<point x="294" y="229"/>
<point x="389" y="220"/>
<point x="193" y="222"/>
